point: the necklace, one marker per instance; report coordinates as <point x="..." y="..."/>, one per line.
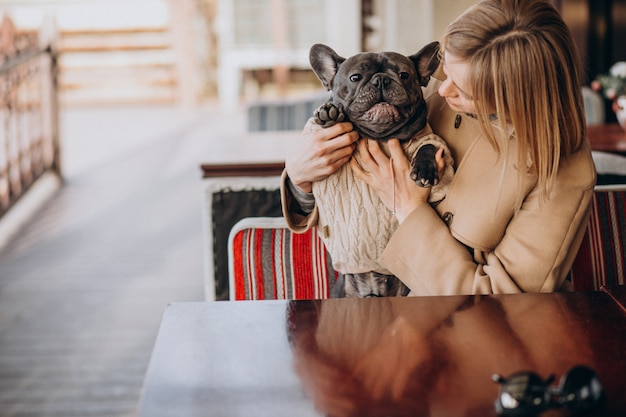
<point x="393" y="184"/>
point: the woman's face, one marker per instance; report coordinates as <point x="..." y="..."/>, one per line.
<point x="455" y="89"/>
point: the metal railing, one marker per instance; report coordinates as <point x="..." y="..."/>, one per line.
<point x="29" y="121"/>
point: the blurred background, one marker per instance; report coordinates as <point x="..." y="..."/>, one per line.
<point x="108" y="109"/>
<point x="192" y="51"/>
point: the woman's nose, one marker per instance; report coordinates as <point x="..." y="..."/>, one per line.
<point x="446" y="89"/>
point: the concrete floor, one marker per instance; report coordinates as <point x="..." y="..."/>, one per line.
<point x="84" y="284"/>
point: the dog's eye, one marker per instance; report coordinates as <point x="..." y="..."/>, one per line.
<point x="403" y="75"/>
<point x="356" y="78"/>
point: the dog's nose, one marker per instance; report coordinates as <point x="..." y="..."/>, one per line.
<point x="381" y="80"/>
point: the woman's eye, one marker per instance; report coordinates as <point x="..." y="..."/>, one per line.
<point x="356" y="78"/>
<point x="403" y="75"/>
<point x="464" y="95"/>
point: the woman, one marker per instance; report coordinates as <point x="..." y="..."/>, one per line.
<point x="510" y="109"/>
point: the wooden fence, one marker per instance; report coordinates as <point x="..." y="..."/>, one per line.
<point x="29" y="131"/>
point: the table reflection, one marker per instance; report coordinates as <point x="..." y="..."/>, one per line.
<point x="436" y="356"/>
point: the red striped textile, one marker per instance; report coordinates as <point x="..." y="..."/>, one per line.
<point x="274" y="263"/>
<point x="601" y="259"/>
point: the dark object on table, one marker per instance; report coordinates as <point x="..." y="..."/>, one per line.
<point x="526" y="394"/>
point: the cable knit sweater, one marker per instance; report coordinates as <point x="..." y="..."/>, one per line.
<point x="353" y="222"/>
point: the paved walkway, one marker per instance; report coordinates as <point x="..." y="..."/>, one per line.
<point x="83" y="286"/>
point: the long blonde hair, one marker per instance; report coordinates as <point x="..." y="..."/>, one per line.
<point x="523" y="63"/>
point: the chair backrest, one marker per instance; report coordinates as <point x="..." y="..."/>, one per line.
<point x="268" y="261"/>
<point x="226" y="201"/>
<point x="601" y="259"/>
<point x="611" y="168"/>
<point x="594" y="106"/>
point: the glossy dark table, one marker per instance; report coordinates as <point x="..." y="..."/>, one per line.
<point x="426" y="356"/>
<point x="607" y="138"/>
<point x="618" y="294"/>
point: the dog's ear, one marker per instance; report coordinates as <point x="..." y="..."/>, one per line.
<point x="426" y="62"/>
<point x="325" y="63"/>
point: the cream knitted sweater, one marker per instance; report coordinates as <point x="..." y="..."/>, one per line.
<point x="354" y="223"/>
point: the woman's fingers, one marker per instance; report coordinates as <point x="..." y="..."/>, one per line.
<point x="371" y="155"/>
<point x="395" y="149"/>
<point x="401" y="162"/>
<point x="339" y="135"/>
<point x="320" y="153"/>
<point x="336" y="145"/>
<point x="389" y="176"/>
<point x="441" y="163"/>
<point x="377" y="154"/>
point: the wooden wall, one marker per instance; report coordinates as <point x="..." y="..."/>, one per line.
<point x="599" y="29"/>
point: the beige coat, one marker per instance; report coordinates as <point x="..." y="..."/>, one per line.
<point x="475" y="241"/>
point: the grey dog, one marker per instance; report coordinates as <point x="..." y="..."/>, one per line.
<point x="381" y="95"/>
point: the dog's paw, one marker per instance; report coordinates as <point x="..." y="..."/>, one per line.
<point x="328" y="115"/>
<point x="424" y="167"/>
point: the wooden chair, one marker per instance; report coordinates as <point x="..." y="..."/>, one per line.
<point x="268" y="261"/>
<point x="601" y="259"/>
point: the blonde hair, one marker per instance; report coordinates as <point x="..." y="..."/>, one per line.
<point x="523" y="63"/>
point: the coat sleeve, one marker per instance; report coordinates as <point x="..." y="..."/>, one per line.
<point x="534" y="255"/>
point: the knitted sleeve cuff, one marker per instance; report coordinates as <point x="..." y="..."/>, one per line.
<point x="305" y="200"/>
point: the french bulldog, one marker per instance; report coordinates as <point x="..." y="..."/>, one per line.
<point x="381" y="95"/>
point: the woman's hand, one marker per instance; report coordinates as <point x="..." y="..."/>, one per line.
<point x="390" y="177"/>
<point x="322" y="153"/>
